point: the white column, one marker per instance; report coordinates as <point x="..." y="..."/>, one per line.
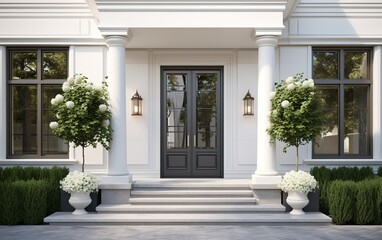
<point x="117" y="88"/>
<point x="377" y="111"/>
<point x="266" y="153"/>
<point x="3" y="107"/>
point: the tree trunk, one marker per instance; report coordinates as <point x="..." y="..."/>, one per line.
<point x="297" y="158"/>
<point x="83" y="158"/>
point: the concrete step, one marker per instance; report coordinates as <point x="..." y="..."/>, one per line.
<point x="188" y="184"/>
<point x="130" y="208"/>
<point x="67" y="218"/>
<point x="194" y="200"/>
<point x="142" y="192"/>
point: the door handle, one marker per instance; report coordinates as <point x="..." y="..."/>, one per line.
<point x="188" y="140"/>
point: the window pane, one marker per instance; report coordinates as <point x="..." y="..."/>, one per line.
<point x="23" y="114"/>
<point x="50" y="143"/>
<point x="356" y="65"/>
<point x="325" y="65"/>
<point x="24" y="65"/>
<point x="55" y="65"/>
<point x="356" y="140"/>
<point x="328" y="140"/>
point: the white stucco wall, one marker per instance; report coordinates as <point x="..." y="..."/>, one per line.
<point x="91" y="62"/>
<point x="292" y="60"/>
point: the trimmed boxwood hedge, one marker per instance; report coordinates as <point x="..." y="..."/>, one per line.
<point x="379" y="172"/>
<point x="350" y="195"/>
<point x="356" y="202"/>
<point x="341" y="196"/>
<point x="325" y="176"/>
<point x="29" y="194"/>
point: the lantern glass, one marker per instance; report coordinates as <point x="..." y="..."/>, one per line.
<point x="248" y="104"/>
<point x="136" y="104"/>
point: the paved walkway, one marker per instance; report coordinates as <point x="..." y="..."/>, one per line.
<point x="179" y="232"/>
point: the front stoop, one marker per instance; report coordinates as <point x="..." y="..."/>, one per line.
<point x="193" y="201"/>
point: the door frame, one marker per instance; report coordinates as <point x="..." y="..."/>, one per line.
<point x="220" y="102"/>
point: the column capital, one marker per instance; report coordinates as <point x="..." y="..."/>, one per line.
<point x="116" y="41"/>
<point x="115" y="36"/>
<point x="267" y="40"/>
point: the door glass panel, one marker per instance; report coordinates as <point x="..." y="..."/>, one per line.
<point x="356" y="117"/>
<point x="328" y="140"/>
<point x="23" y="121"/>
<point x="176" y="109"/>
<point x="206" y="110"/>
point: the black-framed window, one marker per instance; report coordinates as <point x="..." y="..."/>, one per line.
<point x="35" y="76"/>
<point x="344" y="77"/>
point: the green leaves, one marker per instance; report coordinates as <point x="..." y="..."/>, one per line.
<point x="84" y="123"/>
<point x="302" y="119"/>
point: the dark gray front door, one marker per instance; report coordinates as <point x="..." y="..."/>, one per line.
<point x="191" y="122"/>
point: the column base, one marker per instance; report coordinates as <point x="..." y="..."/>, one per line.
<point x="121" y="173"/>
<point x="265" y="189"/>
<point x="265" y="179"/>
<point x="115" y="189"/>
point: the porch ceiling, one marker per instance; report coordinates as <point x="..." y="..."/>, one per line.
<point x="191" y="38"/>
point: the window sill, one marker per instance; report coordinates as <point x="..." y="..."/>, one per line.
<point x="343" y="161"/>
<point x="51" y="162"/>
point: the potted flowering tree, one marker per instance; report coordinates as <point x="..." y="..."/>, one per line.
<point x="296" y="118"/>
<point x="82" y="118"/>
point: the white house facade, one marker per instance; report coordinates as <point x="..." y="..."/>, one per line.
<point x="192" y="62"/>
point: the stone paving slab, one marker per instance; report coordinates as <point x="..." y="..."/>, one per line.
<point x="171" y="232"/>
<point x="194" y="218"/>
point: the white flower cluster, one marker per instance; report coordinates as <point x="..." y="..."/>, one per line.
<point x="292" y="83"/>
<point x="298" y="181"/>
<point x="79" y="182"/>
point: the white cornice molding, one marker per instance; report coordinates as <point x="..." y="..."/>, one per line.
<point x="46" y="9"/>
<point x="93" y="8"/>
<point x="290" y="7"/>
<point x="46" y="41"/>
<point x="331" y="40"/>
<point x="341" y="8"/>
<point x="190" y="5"/>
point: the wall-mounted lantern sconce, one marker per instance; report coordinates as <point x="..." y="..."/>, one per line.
<point x="136" y="104"/>
<point x="248" y="104"/>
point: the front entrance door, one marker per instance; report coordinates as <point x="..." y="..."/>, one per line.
<point x="191" y="122"/>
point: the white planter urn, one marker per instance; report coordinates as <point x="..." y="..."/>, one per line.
<point x="79" y="200"/>
<point x="297" y="201"/>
